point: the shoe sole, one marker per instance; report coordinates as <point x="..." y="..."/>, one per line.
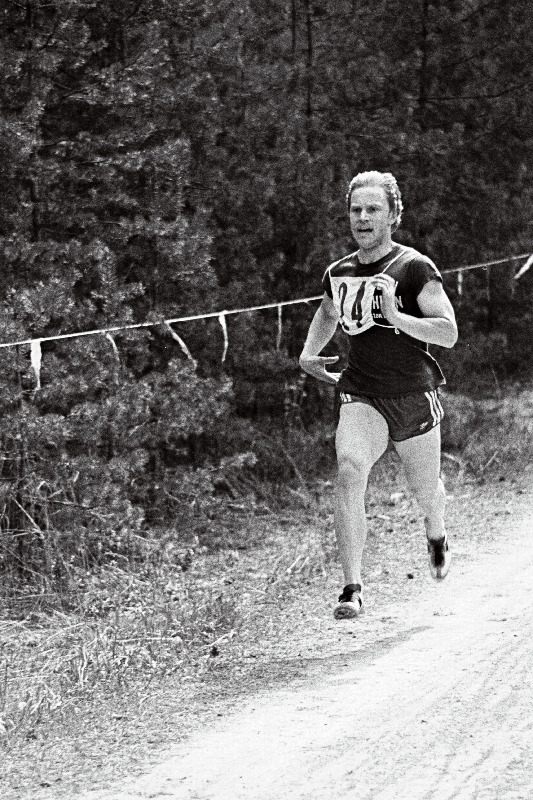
<point x="347" y="610"/>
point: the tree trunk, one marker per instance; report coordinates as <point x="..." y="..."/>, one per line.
<point x="293" y="27"/>
<point x="309" y="74"/>
<point x="423" y="78"/>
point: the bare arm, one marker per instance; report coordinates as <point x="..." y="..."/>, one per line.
<point x="437" y="326"/>
<point x="321" y="330"/>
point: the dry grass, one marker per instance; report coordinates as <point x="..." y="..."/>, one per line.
<point x="132" y="625"/>
<point x="131" y="628"/>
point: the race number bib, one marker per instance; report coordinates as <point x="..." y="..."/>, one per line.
<point x="356" y="299"/>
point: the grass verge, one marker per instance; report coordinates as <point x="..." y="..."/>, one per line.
<point x="177" y="615"/>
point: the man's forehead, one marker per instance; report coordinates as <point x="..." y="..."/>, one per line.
<point x="372" y="192"/>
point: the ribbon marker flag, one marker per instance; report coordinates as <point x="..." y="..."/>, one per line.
<point x="278" y="337"/>
<point x="36" y="360"/>
<point x="525" y="268"/>
<point x="113" y="345"/>
<point x="222" y="320"/>
<point x="182" y="344"/>
<point x="35" y="344"/>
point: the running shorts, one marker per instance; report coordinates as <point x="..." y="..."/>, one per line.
<point x="407" y="416"/>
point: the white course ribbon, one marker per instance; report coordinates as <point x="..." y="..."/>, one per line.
<point x="280" y="323"/>
<point x="182" y="344"/>
<point x="113" y="345"/>
<point x="36" y="360"/>
<point x="221" y="315"/>
<point x="222" y="320"/>
<point x="524" y="268"/>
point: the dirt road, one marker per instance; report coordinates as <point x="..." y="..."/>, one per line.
<point x="443" y="710"/>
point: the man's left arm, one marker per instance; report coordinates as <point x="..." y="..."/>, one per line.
<point x="437" y="326"/>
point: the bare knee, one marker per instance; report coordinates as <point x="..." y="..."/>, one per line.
<point x="353" y="470"/>
<point x="430" y="498"/>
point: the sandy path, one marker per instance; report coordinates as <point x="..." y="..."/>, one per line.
<point x="445" y="711"/>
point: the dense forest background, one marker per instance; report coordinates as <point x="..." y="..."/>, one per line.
<point x="171" y="158"/>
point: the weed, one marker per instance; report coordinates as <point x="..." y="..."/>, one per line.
<point x="164" y="603"/>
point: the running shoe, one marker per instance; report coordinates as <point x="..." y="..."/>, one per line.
<point x="350" y="602"/>
<point x="439" y="557"/>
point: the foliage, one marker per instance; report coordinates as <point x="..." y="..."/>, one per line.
<point x="167" y="159"/>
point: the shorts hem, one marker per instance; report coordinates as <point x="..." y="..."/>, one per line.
<point x="414" y="434"/>
<point x="405" y="418"/>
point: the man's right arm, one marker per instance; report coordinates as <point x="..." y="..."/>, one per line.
<point x="323" y="326"/>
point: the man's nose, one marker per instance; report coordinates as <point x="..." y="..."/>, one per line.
<point x="363" y="214"/>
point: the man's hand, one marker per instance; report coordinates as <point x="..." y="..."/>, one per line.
<point x="387" y="285"/>
<point x="316" y="366"/>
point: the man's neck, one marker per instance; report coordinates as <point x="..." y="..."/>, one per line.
<point x="369" y="256"/>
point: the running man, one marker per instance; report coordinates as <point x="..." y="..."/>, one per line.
<point x="390" y="301"/>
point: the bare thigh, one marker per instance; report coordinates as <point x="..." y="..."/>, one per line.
<point x="420" y="457"/>
<point x="362" y="435"/>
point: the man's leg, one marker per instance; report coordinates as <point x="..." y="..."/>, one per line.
<point x="362" y="437"/>
<point x="420" y="456"/>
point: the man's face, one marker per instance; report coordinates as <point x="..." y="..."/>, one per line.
<point x="370" y="217"/>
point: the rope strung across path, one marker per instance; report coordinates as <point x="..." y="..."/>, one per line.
<point x="35" y="343"/>
<point x="495" y="263"/>
<point x="116" y="328"/>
